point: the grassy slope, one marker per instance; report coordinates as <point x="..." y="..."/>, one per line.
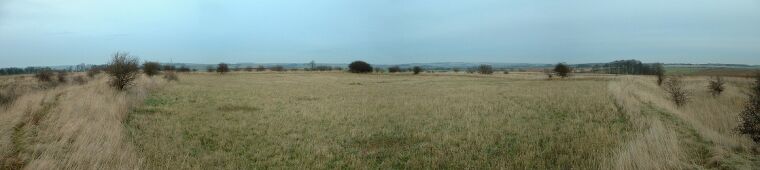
<point x="333" y="120"/>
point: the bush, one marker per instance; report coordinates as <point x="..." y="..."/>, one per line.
<point x="394" y="69"/>
<point x="44" y="75"/>
<point x="62" y="76"/>
<point x="659" y="71"/>
<point x="416" y="69"/>
<point x="485" y="69"/>
<point x="677" y="91"/>
<point x="249" y="69"/>
<point x="750" y="117"/>
<point x="222" y="68"/>
<point x="277" y="68"/>
<point x="506" y="72"/>
<point x="80" y="79"/>
<point x="171" y="76"/>
<point x="359" y="67"/>
<point x="123" y="70"/>
<point x="93" y="71"/>
<point x="716" y="86"/>
<point x="562" y="70"/>
<point x="456" y="70"/>
<point x="151" y="68"/>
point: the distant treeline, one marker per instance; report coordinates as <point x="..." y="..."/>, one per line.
<point x="635" y="67"/>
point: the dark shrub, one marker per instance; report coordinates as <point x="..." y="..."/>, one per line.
<point x="93" y="71"/>
<point x="171" y="76"/>
<point x="44" y="75"/>
<point x="338" y="68"/>
<point x="80" y="79"/>
<point x="249" y="69"/>
<point x="184" y="69"/>
<point x="151" y="68"/>
<point x="677" y="91"/>
<point x="62" y="76"/>
<point x="277" y="68"/>
<point x="168" y="67"/>
<point x="416" y="69"/>
<point x="716" y="86"/>
<point x="485" y="69"/>
<point x="456" y="70"/>
<point x="750" y="117"/>
<point x="659" y="71"/>
<point x="123" y="70"/>
<point x="323" y="68"/>
<point x="506" y="72"/>
<point x="222" y="68"/>
<point x="562" y="70"/>
<point x="394" y="69"/>
<point x="359" y="67"/>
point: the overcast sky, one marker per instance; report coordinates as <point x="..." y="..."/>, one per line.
<point x="63" y="32"/>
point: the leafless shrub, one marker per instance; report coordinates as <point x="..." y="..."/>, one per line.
<point x="677" y="91"/>
<point x="151" y="68"/>
<point x="62" y="76"/>
<point x="80" y="80"/>
<point x="92" y="72"/>
<point x="717" y="86"/>
<point x="44" y="75"/>
<point x="123" y="70"/>
<point x="222" y="68"/>
<point x="485" y="69"/>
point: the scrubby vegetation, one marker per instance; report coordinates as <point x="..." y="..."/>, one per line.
<point x="45" y="75"/>
<point x="123" y="70"/>
<point x="750" y="116"/>
<point x="716" y="85"/>
<point x="562" y="70"/>
<point x="394" y="69"/>
<point x="222" y="68"/>
<point x="359" y="67"/>
<point x="485" y="69"/>
<point x="416" y="69"/>
<point x="151" y="68"/>
<point x="677" y="91"/>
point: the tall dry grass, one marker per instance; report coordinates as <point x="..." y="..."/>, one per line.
<point x="695" y="136"/>
<point x="71" y="126"/>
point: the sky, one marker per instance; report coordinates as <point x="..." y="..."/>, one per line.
<point x="66" y="32"/>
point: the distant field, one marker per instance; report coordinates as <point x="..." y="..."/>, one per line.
<point x="339" y="120"/>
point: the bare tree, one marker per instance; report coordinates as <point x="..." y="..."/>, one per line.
<point x="416" y="69"/>
<point x="222" y="68"/>
<point x="677" y="91"/>
<point x="485" y="69"/>
<point x="123" y="70"/>
<point x="717" y="86"/>
<point x="659" y="71"/>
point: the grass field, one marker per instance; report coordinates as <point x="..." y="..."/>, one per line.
<point x="329" y="120"/>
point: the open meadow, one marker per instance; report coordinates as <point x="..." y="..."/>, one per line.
<point x="328" y="120"/>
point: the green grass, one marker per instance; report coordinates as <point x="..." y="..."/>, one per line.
<point x="340" y="120"/>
